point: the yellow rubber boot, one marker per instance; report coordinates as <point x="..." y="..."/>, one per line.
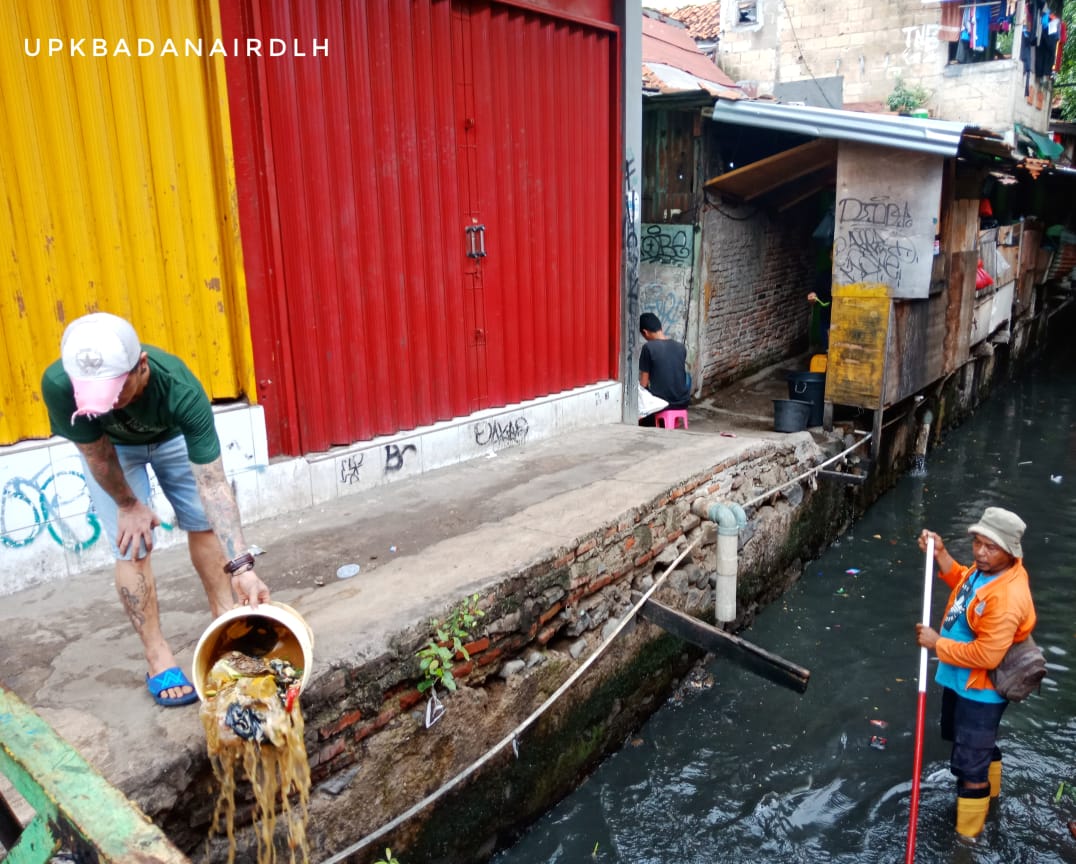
<point x="971" y="815"/>
<point x="995" y="778"/>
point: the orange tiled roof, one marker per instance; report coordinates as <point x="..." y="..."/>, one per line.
<point x="702" y="21"/>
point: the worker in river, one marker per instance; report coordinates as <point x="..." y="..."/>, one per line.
<point x="989" y="609"/>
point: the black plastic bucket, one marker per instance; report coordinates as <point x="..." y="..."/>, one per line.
<point x="809" y="387"/>
<point x="790" y="415"/>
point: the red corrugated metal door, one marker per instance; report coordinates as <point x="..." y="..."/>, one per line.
<point x="537" y="143"/>
<point x="359" y="173"/>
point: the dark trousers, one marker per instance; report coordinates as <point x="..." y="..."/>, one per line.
<point x="973" y="728"/>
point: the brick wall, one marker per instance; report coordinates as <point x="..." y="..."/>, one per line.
<point x="757" y="271"/>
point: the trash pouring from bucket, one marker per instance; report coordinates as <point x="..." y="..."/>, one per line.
<point x="790" y="415"/>
<point x="273" y="631"/>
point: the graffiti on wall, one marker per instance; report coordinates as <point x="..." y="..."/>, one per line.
<point x="46" y="503"/>
<point x="665" y="274"/>
<point x="501" y="433"/>
<point x="667" y="244"/>
<point x="885" y="219"/>
<point x="631" y="257"/>
<point x="921" y="44"/>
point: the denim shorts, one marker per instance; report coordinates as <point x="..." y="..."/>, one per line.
<point x="973" y="728"/>
<point x="172" y="466"/>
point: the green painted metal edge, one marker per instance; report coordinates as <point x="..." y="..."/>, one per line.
<point x="76" y="806"/>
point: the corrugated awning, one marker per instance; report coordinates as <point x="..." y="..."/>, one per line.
<point x="783" y="179"/>
<point x="941" y="137"/>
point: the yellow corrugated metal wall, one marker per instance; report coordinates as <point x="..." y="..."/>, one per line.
<point x="117" y="192"/>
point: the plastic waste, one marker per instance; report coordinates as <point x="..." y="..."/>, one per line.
<point x="1055" y="478"/>
<point x="878" y="742"/>
<point x="346" y="571"/>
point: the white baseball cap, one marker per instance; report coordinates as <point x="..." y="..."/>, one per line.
<point x="98" y="352"/>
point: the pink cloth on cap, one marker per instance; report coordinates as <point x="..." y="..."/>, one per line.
<point x="98" y="353"/>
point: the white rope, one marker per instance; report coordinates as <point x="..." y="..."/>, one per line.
<point x="511" y="737"/>
<point x="810" y="471"/>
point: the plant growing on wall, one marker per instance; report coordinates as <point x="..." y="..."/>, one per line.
<point x="388" y="859"/>
<point x="449" y="636"/>
<point x="905" y="99"/>
<point x="1066" y="76"/>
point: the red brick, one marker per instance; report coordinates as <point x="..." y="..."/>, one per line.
<point x="598" y="584"/>
<point x="576" y="596"/>
<point x="547" y="634"/>
<point x="564" y="560"/>
<point x="475" y="647"/>
<point x="550" y="612"/>
<point x="487" y="657"/>
<point x="462" y="670"/>
<point x="409" y="699"/>
<point x="676" y="535"/>
<point x="629" y="543"/>
<point x="643" y="559"/>
<point x="332" y="749"/>
<point x="349" y="719"/>
<point x="584" y="548"/>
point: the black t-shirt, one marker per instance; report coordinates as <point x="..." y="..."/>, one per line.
<point x="666" y="361"/>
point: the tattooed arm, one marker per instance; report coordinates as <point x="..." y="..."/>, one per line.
<point x="218" y="500"/>
<point x="134" y="521"/>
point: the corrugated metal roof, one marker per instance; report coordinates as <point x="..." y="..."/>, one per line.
<point x="662" y="78"/>
<point x="942" y="137"/>
<point x="666" y="45"/>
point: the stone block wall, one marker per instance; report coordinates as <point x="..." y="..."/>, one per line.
<point x="757" y="271"/>
<point x="365" y="729"/>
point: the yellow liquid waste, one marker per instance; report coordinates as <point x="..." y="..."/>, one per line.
<point x="277" y="768"/>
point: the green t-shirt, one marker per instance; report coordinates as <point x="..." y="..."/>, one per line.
<point x="173" y="403"/>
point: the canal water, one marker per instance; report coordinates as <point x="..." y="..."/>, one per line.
<point x="742" y="770"/>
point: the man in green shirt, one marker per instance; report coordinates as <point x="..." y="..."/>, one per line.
<point x="125" y="406"/>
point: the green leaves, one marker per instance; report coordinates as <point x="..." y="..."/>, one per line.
<point x="447" y="641"/>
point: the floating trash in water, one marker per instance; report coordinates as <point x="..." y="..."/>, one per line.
<point x="852" y="571"/>
<point x="881" y="724"/>
<point x="1055" y="478"/>
<point x="392" y="549"/>
<point x="840" y="592"/>
<point x="877" y="536"/>
<point x="1028" y="462"/>
<point x="347" y="571"/>
<point x="878" y="742"/>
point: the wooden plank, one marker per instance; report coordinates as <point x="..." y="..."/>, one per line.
<point x="733" y="648"/>
<point x="886" y="216"/>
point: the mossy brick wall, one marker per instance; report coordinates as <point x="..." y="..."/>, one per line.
<point x="365" y="729"/>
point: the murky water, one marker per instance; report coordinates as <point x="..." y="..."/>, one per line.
<point x="747" y="771"/>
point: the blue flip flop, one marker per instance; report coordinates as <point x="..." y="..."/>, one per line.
<point x="166" y="680"/>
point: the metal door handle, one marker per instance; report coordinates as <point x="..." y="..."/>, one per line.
<point x="476" y="250"/>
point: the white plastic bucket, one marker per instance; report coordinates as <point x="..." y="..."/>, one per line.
<point x="252" y="631"/>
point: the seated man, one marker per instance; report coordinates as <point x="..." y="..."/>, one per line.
<point x="662" y="366"/>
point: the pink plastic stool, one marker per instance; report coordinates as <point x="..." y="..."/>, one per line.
<point x="667" y="418"/>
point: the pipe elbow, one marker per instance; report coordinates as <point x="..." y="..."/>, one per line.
<point x="730" y="518"/>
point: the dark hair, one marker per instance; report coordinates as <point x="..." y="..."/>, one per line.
<point x="649" y="321"/>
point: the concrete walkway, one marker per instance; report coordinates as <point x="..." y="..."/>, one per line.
<point x="422" y="544"/>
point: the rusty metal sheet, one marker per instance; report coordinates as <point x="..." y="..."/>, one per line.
<point x="859" y="327"/>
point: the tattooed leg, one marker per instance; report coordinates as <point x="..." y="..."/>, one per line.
<point x="208" y="559"/>
<point x="138" y="594"/>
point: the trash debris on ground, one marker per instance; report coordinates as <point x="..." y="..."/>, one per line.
<point x="346" y="571"/>
<point x="881" y="724"/>
<point x="878" y="742"/>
